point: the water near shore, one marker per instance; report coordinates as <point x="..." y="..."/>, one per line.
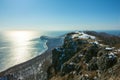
<point x="20" y="46"/>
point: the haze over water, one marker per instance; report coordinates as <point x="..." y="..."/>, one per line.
<point x="20" y="46"/>
<point x="17" y="47"/>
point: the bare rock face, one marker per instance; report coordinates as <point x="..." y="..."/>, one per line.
<point x="62" y="54"/>
<point x="83" y="57"/>
<point x="91" y="52"/>
<point x="93" y="64"/>
<point x="106" y="61"/>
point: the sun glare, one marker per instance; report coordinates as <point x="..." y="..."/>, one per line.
<point x="20" y="37"/>
<point x="20" y="41"/>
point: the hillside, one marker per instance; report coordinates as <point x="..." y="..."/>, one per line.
<point x="86" y="56"/>
<point x="79" y="55"/>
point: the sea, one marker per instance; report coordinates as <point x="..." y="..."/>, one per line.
<point x="19" y="46"/>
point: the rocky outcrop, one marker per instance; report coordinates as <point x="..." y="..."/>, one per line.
<point x="82" y="57"/>
<point x="106" y="61"/>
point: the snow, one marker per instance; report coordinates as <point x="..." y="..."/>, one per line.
<point x="86" y="75"/>
<point x="95" y="77"/>
<point x="40" y="65"/>
<point x="20" y="78"/>
<point x="111" y="55"/>
<point x="80" y="55"/>
<point x="82" y="35"/>
<point x="101" y="44"/>
<point x="74" y="72"/>
<point x="108" y="48"/>
<point x="71" y="63"/>
<point x="118" y="50"/>
<point x="86" y="36"/>
<point x="75" y="35"/>
<point x="96" y="42"/>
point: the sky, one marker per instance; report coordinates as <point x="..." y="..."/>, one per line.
<point x="60" y="14"/>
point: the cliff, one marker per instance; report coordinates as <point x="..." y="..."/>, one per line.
<point x="86" y="56"/>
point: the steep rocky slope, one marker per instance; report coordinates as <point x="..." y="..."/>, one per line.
<point x="82" y="56"/>
<point x="86" y="56"/>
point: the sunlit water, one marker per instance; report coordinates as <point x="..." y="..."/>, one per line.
<point x="18" y="46"/>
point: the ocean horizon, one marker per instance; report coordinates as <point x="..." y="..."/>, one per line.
<point x="19" y="46"/>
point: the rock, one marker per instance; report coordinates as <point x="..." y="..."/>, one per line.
<point x="85" y="77"/>
<point x="109" y="49"/>
<point x="93" y="64"/>
<point x="91" y="52"/>
<point x="83" y="58"/>
<point x="67" y="68"/>
<point x="77" y="58"/>
<point x="57" y="55"/>
<point x="106" y="61"/>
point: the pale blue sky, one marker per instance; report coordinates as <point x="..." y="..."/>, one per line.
<point x="60" y="14"/>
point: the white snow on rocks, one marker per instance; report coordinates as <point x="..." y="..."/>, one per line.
<point x="96" y="42"/>
<point x="82" y="35"/>
<point x="71" y="63"/>
<point x="108" y="48"/>
<point x="86" y="36"/>
<point x="118" y="50"/>
<point x="111" y="55"/>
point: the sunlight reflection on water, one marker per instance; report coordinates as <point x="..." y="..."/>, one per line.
<point x="20" y="43"/>
<point x="19" y="47"/>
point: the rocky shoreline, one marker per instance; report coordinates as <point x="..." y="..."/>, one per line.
<point x="78" y="55"/>
<point x="34" y="69"/>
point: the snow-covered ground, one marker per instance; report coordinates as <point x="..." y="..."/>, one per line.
<point x="82" y="35"/>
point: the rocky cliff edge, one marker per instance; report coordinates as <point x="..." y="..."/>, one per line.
<point x="86" y="56"/>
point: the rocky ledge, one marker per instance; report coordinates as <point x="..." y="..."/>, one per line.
<point x="86" y="56"/>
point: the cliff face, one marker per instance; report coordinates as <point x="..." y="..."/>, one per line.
<point x="84" y="57"/>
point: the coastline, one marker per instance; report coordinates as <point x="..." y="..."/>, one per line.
<point x="51" y="43"/>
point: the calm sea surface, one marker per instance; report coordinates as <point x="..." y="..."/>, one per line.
<point x="19" y="46"/>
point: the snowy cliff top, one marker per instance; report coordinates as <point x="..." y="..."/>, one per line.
<point x="83" y="35"/>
